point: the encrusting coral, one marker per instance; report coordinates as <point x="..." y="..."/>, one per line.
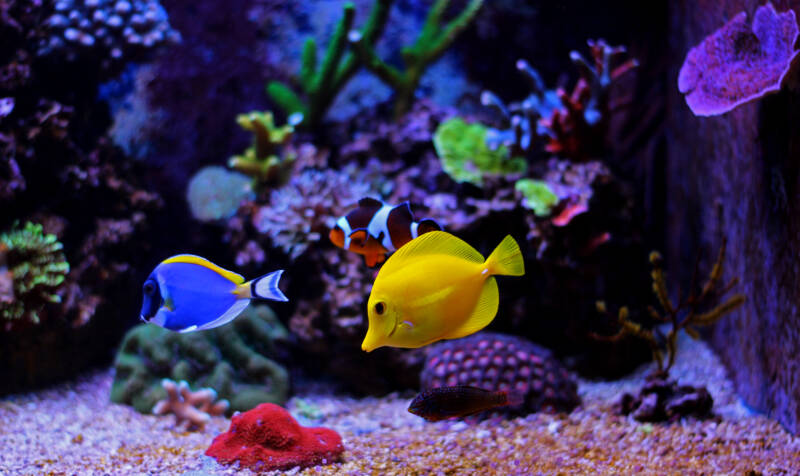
<point x="192" y="409"/>
<point x="268" y="438"/>
<point x="465" y="157"/>
<point x="235" y="360"/>
<point x="266" y="160"/>
<point x="537" y="195"/>
<point x="32" y="267"/>
<point x="737" y="64"/>
<point x="502" y="362"/>
<point x="431" y="43"/>
<point x="321" y="82"/>
<point x="661" y="398"/>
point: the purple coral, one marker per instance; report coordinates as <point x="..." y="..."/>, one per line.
<point x="501" y="362"/>
<point x="737" y="64"/>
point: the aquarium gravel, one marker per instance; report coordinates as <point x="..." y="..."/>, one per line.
<point x="74" y="429"/>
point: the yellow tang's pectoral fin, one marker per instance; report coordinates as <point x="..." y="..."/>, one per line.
<point x="482" y="315"/>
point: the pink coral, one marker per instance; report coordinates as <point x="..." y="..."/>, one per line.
<point x="737" y="64"/>
<point x="268" y="438"/>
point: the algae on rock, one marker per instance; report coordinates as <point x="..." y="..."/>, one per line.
<point x="234" y="359"/>
<point x="464" y="155"/>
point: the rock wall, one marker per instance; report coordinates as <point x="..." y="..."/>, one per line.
<point x="738" y="176"/>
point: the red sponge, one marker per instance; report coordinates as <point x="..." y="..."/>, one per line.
<point x="269" y="438"/>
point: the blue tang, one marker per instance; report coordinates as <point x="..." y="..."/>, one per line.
<point x="189" y="293"/>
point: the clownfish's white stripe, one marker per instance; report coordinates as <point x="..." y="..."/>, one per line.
<point x="379" y="225"/>
<point x="345" y="226"/>
<point x="414" y="227"/>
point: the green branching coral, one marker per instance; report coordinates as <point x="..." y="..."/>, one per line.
<point x="537" y="196"/>
<point x="434" y="39"/>
<point x="32" y="266"/>
<point x="265" y="160"/>
<point x="465" y="157"/>
<point x="322" y="82"/>
<point x="233" y="359"/>
<point x="702" y="307"/>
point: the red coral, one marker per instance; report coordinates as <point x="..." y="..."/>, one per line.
<point x="737" y="64"/>
<point x="268" y="438"/>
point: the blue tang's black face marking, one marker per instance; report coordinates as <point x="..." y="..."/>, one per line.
<point x="152" y="299"/>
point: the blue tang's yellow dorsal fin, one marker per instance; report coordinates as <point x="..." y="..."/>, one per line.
<point x="194" y="259"/>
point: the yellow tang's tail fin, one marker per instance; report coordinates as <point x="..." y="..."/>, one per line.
<point x="506" y="259"/>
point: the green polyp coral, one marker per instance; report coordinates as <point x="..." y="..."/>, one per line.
<point x="434" y="39"/>
<point x="233" y="359"/>
<point x="465" y="157"/>
<point x="32" y="267"/>
<point x="537" y="196"/>
<point x="265" y="160"/>
<point x="321" y="83"/>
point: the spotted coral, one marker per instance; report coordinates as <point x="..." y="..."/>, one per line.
<point x="268" y="438"/>
<point x="465" y="156"/>
<point x="501" y="362"/>
<point x="737" y="64"/>
<point x="108" y="32"/>
<point x="192" y="409"/>
<point x="34" y="263"/>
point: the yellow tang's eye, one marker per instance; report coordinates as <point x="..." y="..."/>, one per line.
<point x="380" y="308"/>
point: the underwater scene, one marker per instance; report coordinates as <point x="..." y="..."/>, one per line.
<point x="399" y="237"/>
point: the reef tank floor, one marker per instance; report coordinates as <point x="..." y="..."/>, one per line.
<point x="74" y="429"/>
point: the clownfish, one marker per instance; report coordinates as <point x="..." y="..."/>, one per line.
<point x="436" y="287"/>
<point x="188" y="293"/>
<point x="375" y="229"/>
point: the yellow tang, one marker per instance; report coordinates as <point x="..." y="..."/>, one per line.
<point x="436" y="287"/>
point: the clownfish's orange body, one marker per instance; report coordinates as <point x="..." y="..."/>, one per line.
<point x="375" y="229"/>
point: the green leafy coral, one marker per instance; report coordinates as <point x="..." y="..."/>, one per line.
<point x="537" y="196"/>
<point x="465" y="157"/>
<point x="265" y="160"/>
<point x="32" y="267"/>
<point x="233" y="359"/>
<point x="321" y="82"/>
<point x="431" y="43"/>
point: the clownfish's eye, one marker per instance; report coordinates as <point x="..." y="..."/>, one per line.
<point x="149" y="288"/>
<point x="380" y="308"/>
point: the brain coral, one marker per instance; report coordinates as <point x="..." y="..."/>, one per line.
<point x="737" y="64"/>
<point x="496" y="361"/>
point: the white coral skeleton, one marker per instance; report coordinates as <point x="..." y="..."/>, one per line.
<point x="192" y="410"/>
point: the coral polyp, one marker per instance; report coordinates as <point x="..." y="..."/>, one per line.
<point x="32" y="267"/>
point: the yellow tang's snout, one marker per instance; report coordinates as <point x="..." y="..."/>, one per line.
<point x="382" y="324"/>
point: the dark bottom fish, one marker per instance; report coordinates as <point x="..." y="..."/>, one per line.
<point x="451" y="402"/>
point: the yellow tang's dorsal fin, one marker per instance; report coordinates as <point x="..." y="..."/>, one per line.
<point x="194" y="259"/>
<point x="432" y="243"/>
<point x="482" y="315"/>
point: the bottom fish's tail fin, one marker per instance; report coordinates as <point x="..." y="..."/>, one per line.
<point x="514" y="398"/>
<point x="266" y="287"/>
<point x="506" y="259"/>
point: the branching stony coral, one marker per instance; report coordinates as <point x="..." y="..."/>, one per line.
<point x="265" y="160"/>
<point x="303" y="211"/>
<point x="34" y="263"/>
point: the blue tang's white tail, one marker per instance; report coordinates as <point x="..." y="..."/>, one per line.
<point x="266" y="287"/>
